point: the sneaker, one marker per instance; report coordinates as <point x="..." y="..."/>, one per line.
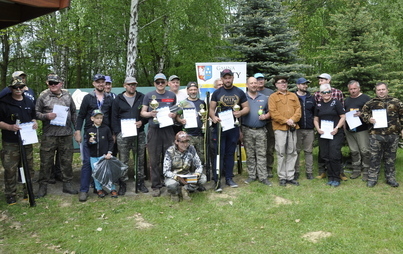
<point x="392" y="183"/>
<point x="11" y="200"/>
<point x="336" y="184"/>
<point x="309" y="176"/>
<point x="293" y="182"/>
<point x="82" y="197"/>
<point x="283" y="182"/>
<point x="371" y="184"/>
<point x="231" y="183"/>
<point x="249" y="180"/>
<point x="266" y="182"/>
<point x="142" y="187"/>
<point x="101" y="194"/>
<point x="321" y="176"/>
<point x="185" y="194"/>
<point x="175" y="198"/>
<point x="343" y="177"/>
<point x="355" y="175"/>
<point x="329" y="183"/>
<point x="156" y="193"/>
<point x="114" y="194"/>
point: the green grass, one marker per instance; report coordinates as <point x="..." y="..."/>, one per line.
<point x="249" y="219"/>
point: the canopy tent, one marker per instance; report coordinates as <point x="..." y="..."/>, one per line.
<point x="13" y="12"/>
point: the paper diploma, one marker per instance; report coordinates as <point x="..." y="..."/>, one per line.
<point x="190" y="115"/>
<point x="380" y="117"/>
<point x="61" y="115"/>
<point x="28" y="135"/>
<point x="163" y="117"/>
<point x="128" y="126"/>
<point x="353" y="121"/>
<point x="227" y="120"/>
<point x="327" y="127"/>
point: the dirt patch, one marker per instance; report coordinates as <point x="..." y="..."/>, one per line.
<point x="141" y="223"/>
<point x="281" y="201"/>
<point x="314" y="237"/>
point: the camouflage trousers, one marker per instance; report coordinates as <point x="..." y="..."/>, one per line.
<point x="198" y="143"/>
<point x="255" y="144"/>
<point x="173" y="186"/>
<point x="11" y="158"/>
<point x="127" y="145"/>
<point x="50" y="146"/>
<point x="382" y="146"/>
<point x="270" y="146"/>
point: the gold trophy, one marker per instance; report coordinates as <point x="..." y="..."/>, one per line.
<point x="92" y="138"/>
<point x="236" y="107"/>
<point x="154" y="105"/>
<point x="203" y="115"/>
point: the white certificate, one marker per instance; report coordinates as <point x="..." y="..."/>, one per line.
<point x="61" y="115"/>
<point x="190" y="115"/>
<point x="227" y="120"/>
<point x="28" y="135"/>
<point x="380" y="117"/>
<point x="163" y="117"/>
<point x="327" y="127"/>
<point x="353" y="121"/>
<point x="128" y="126"/>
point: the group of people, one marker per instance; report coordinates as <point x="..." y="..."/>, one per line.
<point x="264" y="119"/>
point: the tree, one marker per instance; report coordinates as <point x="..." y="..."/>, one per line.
<point x="264" y="39"/>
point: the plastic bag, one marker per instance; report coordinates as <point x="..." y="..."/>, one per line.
<point x="109" y="171"/>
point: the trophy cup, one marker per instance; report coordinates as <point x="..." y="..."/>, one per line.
<point x="92" y="134"/>
<point x="236" y="107"/>
<point x="260" y="111"/>
<point x="203" y="114"/>
<point x="154" y="105"/>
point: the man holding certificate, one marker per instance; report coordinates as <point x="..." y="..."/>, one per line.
<point x="126" y="125"/>
<point x="329" y="120"/>
<point x="385" y="113"/>
<point x="57" y="111"/>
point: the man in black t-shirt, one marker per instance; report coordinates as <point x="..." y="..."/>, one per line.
<point x="357" y="138"/>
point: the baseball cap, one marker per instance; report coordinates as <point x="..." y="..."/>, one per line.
<point x="53" y="78"/>
<point x="303" y="81"/>
<point x="192" y="83"/>
<point x="96" y="112"/>
<point x="181" y="136"/>
<point x="325" y="76"/>
<point x="160" y="76"/>
<point x="258" y="75"/>
<point x="227" y="72"/>
<point x="130" y="80"/>
<point x="98" y="76"/>
<point x="17" y="82"/>
<point x="173" y="77"/>
<point x="108" y="79"/>
<point x="16" y="74"/>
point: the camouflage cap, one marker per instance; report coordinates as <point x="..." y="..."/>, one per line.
<point x="17" y="74"/>
<point x="53" y="78"/>
<point x="17" y="82"/>
<point x="96" y="112"/>
<point x="182" y="136"/>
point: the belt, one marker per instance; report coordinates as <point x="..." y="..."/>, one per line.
<point x="253" y="128"/>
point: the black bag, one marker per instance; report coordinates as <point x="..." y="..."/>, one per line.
<point x="109" y="171"/>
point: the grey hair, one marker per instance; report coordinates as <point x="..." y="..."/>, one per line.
<point x="324" y="87"/>
<point x="352" y="82"/>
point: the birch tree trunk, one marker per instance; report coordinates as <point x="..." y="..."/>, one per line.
<point x="132" y="40"/>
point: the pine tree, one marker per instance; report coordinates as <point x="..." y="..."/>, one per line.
<point x="262" y="37"/>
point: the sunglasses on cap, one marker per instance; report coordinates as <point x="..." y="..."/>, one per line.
<point x="325" y="92"/>
<point x="18" y="87"/>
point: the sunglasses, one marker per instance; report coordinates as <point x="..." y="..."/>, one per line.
<point x="53" y="83"/>
<point x="18" y="87"/>
<point x="159" y="82"/>
<point x="325" y="92"/>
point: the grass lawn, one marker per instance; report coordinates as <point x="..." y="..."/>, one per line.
<point x="310" y="218"/>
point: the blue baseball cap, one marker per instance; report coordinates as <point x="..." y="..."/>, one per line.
<point x="258" y="75"/>
<point x="160" y="76"/>
<point x="303" y="81"/>
<point x="108" y="79"/>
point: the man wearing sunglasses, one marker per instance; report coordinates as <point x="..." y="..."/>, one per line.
<point x="14" y="107"/>
<point x="28" y="92"/>
<point x="158" y="139"/>
<point x="57" y="137"/>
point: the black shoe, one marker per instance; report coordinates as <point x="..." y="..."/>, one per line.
<point x="283" y="182"/>
<point x="11" y="200"/>
<point x="43" y="190"/>
<point x="293" y="182"/>
<point x="296" y="175"/>
<point x="231" y="183"/>
<point x="201" y="188"/>
<point x="142" y="187"/>
<point x="122" y="188"/>
<point x="266" y="182"/>
<point x="371" y="184"/>
<point x="67" y="188"/>
<point x="309" y="176"/>
<point x="392" y="183"/>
